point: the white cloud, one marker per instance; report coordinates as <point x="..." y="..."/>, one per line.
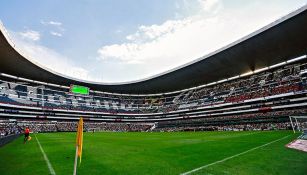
<point x="178" y="40"/>
<point x="55" y="34"/>
<point x="124" y="52"/>
<point x="210" y="5"/>
<point x="30" y="35"/>
<point x="56" y="26"/>
<point x="149" y="33"/>
<point x="50" y="58"/>
<point x="160" y="47"/>
<point x="53" y="23"/>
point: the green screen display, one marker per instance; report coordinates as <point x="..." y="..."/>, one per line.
<point x="79" y="89"/>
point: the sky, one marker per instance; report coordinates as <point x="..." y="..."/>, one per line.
<point x="114" y="41"/>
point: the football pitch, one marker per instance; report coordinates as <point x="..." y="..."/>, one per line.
<point x="174" y="153"/>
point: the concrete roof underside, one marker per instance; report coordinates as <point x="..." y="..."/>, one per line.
<point x="280" y="41"/>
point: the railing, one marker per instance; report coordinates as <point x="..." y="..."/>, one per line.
<point x="7" y="139"/>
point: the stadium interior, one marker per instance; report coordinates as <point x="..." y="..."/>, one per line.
<point x="261" y="99"/>
<point x="254" y="84"/>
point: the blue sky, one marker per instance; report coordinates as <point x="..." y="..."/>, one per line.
<point x="124" y="40"/>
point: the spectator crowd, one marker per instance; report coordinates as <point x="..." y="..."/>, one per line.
<point x="16" y="127"/>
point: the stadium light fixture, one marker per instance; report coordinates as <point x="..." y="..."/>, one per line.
<point x="297" y="59"/>
<point x="66" y="87"/>
<point x="213" y="83"/>
<point x="24" y="79"/>
<point x="40" y="82"/>
<point x="51" y="84"/>
<point x="260" y="70"/>
<point x="277" y="65"/>
<point x="9" y="76"/>
<point x="235" y="77"/>
<point x="246" y="74"/>
<point x="221" y="81"/>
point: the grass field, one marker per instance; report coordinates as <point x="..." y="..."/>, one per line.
<point x="157" y="153"/>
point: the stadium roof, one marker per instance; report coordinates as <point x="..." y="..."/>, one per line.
<point x="277" y="42"/>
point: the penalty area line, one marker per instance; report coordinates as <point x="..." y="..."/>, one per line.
<point x="236" y="155"/>
<point x="52" y="172"/>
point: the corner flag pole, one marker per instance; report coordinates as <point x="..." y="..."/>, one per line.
<point x="76" y="159"/>
<point x="79" y="143"/>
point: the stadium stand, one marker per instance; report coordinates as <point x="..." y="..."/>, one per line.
<point x="262" y="100"/>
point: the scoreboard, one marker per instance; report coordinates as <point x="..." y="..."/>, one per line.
<point x="76" y="89"/>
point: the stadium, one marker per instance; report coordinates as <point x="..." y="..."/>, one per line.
<point x="241" y="109"/>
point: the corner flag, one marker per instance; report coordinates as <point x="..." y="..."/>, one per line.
<point x="79" y="143"/>
<point x="79" y="140"/>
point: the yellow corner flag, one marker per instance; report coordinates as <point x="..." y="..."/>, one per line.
<point x="79" y="140"/>
<point x="79" y="143"/>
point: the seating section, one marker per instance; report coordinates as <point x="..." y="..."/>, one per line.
<point x="265" y="97"/>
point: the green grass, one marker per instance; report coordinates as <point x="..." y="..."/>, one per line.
<point x="156" y="153"/>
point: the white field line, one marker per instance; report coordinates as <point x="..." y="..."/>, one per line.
<point x="52" y="172"/>
<point x="236" y="155"/>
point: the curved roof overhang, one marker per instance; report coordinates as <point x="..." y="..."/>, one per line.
<point x="280" y="41"/>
